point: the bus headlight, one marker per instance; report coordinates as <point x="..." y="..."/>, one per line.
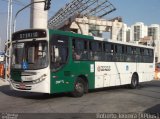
<point x="42" y="78"/>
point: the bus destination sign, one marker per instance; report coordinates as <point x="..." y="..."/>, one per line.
<point x="29" y="34"/>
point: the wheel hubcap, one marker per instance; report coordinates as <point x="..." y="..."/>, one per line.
<point x="134" y="81"/>
<point x="79" y="87"/>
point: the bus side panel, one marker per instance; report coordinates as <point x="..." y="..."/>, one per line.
<point x="60" y="82"/>
<point x="113" y="73"/>
<point x="120" y="73"/>
<point x="145" y="71"/>
<point x="86" y="69"/>
<point x="63" y="80"/>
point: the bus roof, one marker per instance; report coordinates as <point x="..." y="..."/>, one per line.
<point x="122" y="43"/>
<point x="69" y="33"/>
<point x="131" y="44"/>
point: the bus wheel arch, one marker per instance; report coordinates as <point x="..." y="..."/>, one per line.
<point x="84" y="78"/>
<point x="134" y="80"/>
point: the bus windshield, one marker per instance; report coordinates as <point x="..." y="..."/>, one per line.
<point x="30" y="55"/>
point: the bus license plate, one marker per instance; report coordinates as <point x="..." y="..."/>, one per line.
<point x="22" y="86"/>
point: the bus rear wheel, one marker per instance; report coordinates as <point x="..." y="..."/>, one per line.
<point x="79" y="88"/>
<point x="134" y="81"/>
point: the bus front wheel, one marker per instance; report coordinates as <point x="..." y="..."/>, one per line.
<point x="79" y="88"/>
<point x="134" y="81"/>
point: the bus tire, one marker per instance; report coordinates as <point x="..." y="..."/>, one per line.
<point x="134" y="81"/>
<point x="79" y="88"/>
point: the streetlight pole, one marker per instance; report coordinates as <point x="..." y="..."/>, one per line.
<point x="8" y="19"/>
<point x="10" y="39"/>
<point x="9" y="35"/>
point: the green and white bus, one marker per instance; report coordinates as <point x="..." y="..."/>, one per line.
<point x="54" y="61"/>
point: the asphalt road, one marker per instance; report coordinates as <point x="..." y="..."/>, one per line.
<point x="144" y="99"/>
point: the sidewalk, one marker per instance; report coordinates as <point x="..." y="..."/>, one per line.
<point x="3" y="82"/>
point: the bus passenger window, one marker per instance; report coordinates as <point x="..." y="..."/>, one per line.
<point x="59" y="52"/>
<point x="80" y="51"/>
<point x="146" y="55"/>
<point x="96" y="50"/>
<point x="76" y="56"/>
<point x="119" y="53"/>
<point x="129" y="54"/>
<point x="138" y="57"/>
<point x="84" y="55"/>
<point x="142" y="54"/>
<point x="151" y="56"/>
<point x="107" y="49"/>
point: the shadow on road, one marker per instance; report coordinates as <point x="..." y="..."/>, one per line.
<point x="147" y="89"/>
<point x="29" y="95"/>
<point x="153" y="110"/>
<point x="41" y="96"/>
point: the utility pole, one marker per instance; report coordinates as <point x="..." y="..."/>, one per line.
<point x="9" y="36"/>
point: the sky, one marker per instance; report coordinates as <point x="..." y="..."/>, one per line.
<point x="131" y="11"/>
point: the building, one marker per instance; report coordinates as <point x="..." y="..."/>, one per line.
<point x="122" y="34"/>
<point x="138" y="31"/>
<point x="128" y="34"/>
<point x="147" y="40"/>
<point x="154" y="31"/>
